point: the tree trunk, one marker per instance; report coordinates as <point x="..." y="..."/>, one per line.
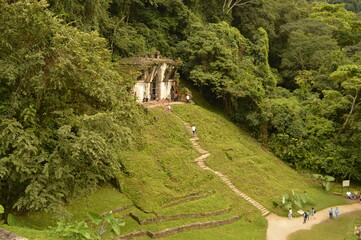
<point x="353" y="106"/>
<point x="264" y="133"/>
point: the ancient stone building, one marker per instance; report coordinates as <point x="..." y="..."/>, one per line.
<point x="156" y="76"/>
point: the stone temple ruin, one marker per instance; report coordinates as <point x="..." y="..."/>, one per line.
<point x="157" y="79"/>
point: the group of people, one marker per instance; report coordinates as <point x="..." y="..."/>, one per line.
<point x="353" y="196"/>
<point x="333" y="214"/>
<point x="163" y="100"/>
<point x="307" y="214"/>
<point x="171" y="98"/>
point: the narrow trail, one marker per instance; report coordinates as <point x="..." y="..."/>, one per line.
<point x="279" y="228"/>
<point x="201" y="163"/>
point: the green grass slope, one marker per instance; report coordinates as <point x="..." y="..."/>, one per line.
<point x="165" y="169"/>
<point x="162" y="170"/>
<point x="251" y="168"/>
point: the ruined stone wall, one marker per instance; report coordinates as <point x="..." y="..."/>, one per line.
<point x="170" y="231"/>
<point x="161" y="71"/>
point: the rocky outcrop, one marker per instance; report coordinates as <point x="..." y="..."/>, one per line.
<point x="6" y="235"/>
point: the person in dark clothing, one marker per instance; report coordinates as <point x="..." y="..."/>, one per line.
<point x="305" y="216"/>
<point x="330" y="213"/>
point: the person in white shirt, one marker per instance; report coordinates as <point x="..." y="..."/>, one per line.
<point x="290" y="213"/>
<point x="187" y="98"/>
<point x="194" y="130"/>
<point x="349" y="195"/>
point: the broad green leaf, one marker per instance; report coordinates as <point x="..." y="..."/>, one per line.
<point x="318" y="176"/>
<point x="116" y="228"/>
<point x="96" y="218"/>
<point x="11" y="220"/>
<point x="329" y="178"/>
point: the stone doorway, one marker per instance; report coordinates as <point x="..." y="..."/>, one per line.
<point x="154" y="89"/>
<point x="172" y="93"/>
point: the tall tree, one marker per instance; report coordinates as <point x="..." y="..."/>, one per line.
<point x="350" y="78"/>
<point x="64" y="110"/>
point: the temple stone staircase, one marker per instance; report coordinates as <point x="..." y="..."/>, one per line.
<point x="201" y="163"/>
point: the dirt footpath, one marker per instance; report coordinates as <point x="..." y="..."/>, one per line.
<point x="279" y="228"/>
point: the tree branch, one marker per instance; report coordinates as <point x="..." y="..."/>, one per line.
<point x="350" y="96"/>
<point x="115" y="30"/>
<point x="354" y="104"/>
<point x="230" y="4"/>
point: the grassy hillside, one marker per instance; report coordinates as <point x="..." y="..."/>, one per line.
<point x="165" y="169"/>
<point x="162" y="171"/>
<point x="251" y="167"/>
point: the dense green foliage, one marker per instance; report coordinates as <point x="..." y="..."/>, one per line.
<point x="325" y="180"/>
<point x="294" y="200"/>
<point x="306" y="107"/>
<point x="288" y="71"/>
<point x="94" y="229"/>
<point x="65" y="111"/>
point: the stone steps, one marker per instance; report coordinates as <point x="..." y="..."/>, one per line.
<point x="201" y="163"/>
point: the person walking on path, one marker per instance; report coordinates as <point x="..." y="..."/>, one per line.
<point x="187" y="98"/>
<point x="330" y="213"/>
<point x="313" y="212"/>
<point x="308" y="214"/>
<point x="290" y="213"/>
<point x="337" y="212"/>
<point x="280" y="228"/>
<point x="305" y="216"/>
<point x="194" y="130"/>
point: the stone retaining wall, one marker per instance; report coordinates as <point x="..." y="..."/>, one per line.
<point x="186" y="196"/>
<point x="171" y="231"/>
<point x="177" y="216"/>
<point x="188" y="199"/>
<point x="117" y="210"/>
<point x="132" y="235"/>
